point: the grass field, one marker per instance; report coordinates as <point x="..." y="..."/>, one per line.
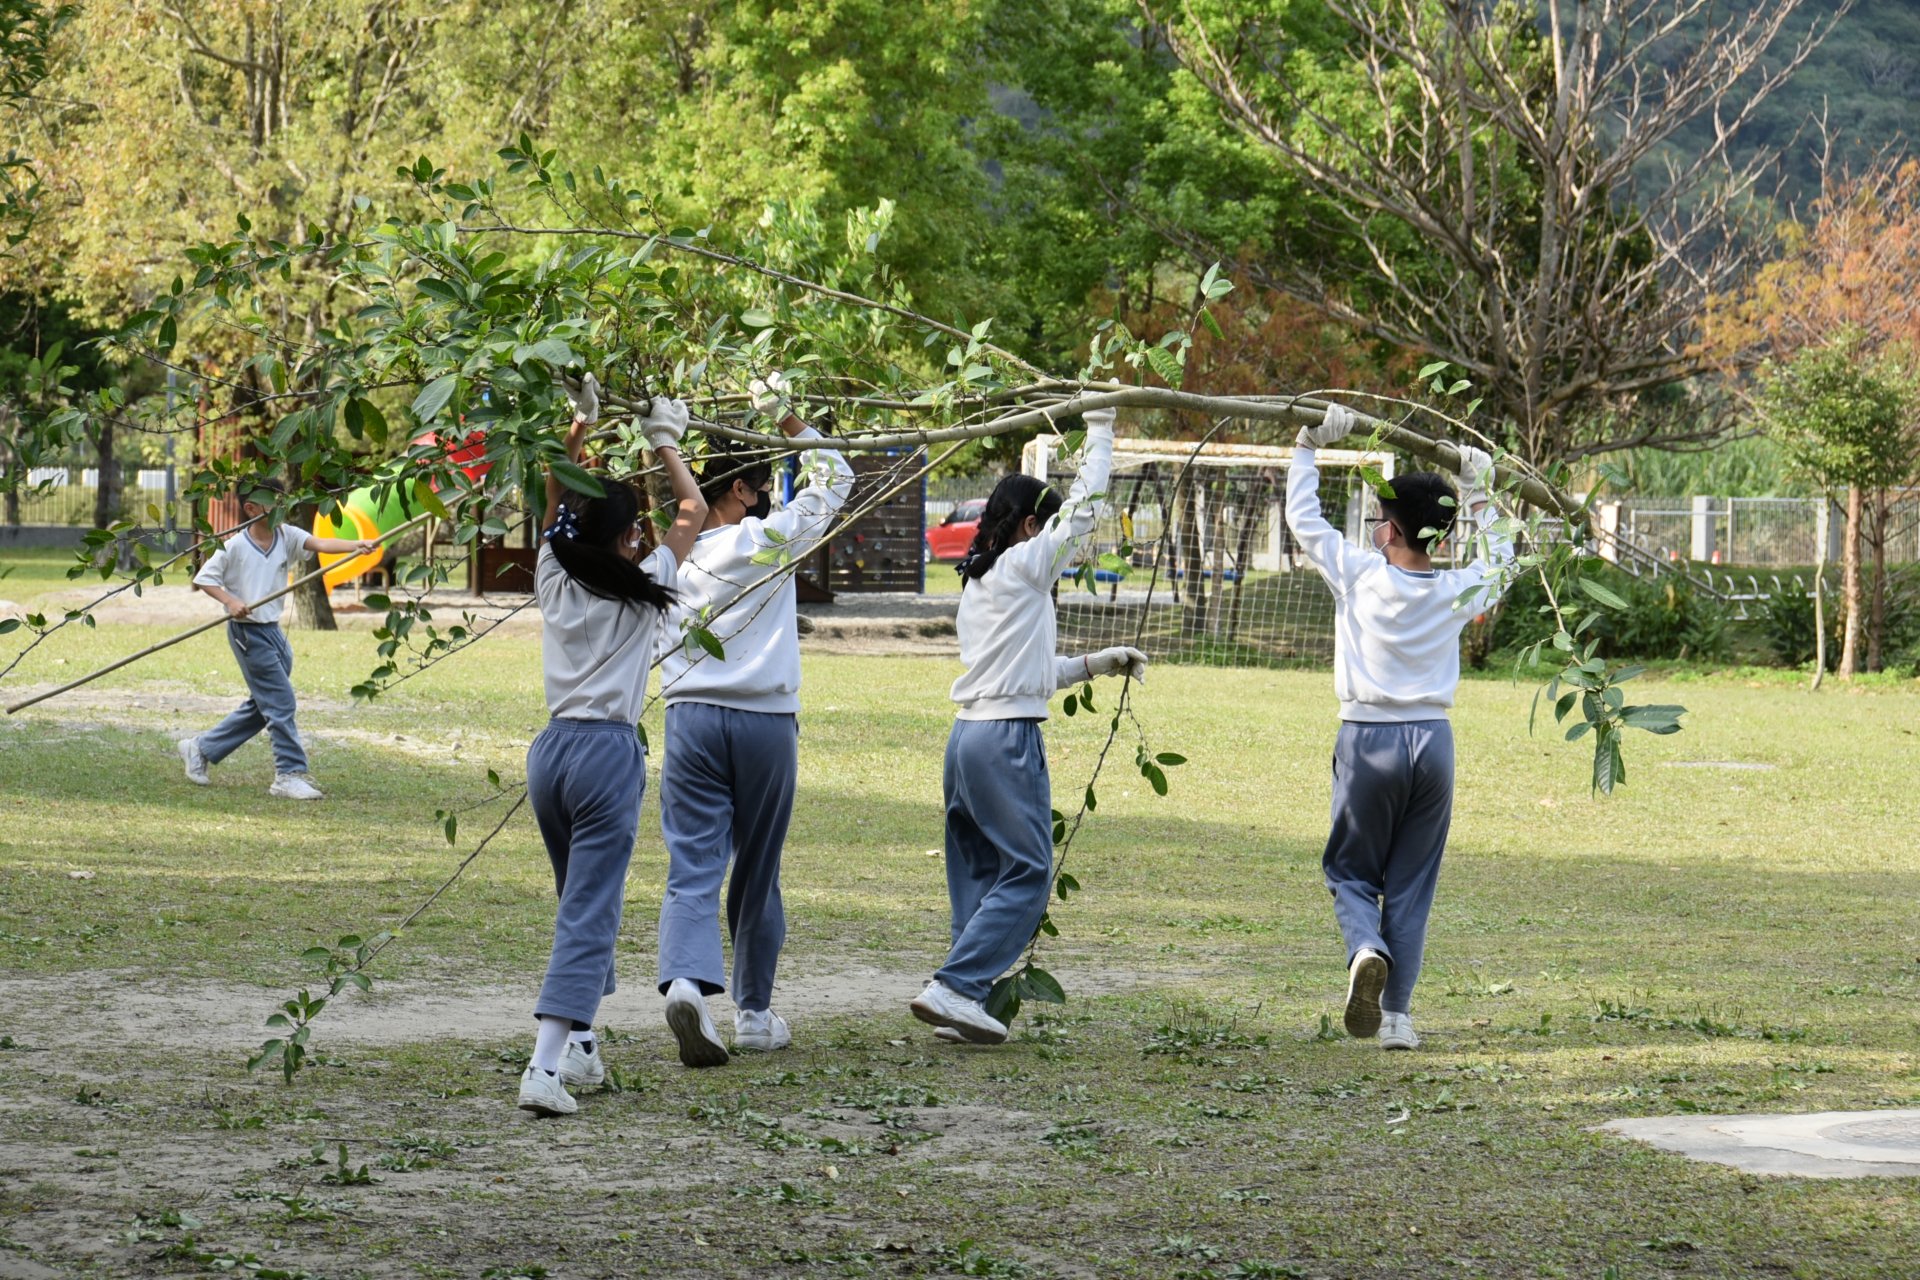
<point x="1734" y="931"/>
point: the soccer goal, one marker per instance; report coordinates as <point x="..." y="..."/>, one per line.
<point x="1215" y="576"/>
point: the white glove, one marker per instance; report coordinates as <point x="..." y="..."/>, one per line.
<point x="665" y="423"/>
<point x="771" y="397"/>
<point x="1336" y="426"/>
<point x="1111" y="662"/>
<point x="1476" y="470"/>
<point x="585" y="395"/>
<point x="1098" y="421"/>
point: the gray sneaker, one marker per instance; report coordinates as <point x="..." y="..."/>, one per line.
<point x="294" y="786"/>
<point x="195" y="762"/>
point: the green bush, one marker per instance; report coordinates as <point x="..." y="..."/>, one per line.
<point x="1666" y="618"/>
<point x="1786" y="619"/>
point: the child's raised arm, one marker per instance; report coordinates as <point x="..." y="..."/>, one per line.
<point x="665" y="423"/>
<point x="586" y="412"/>
<point x="1322" y="544"/>
<point x="828" y="478"/>
<point x="1043" y="556"/>
<point x="1492" y="550"/>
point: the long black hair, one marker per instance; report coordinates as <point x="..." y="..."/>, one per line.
<point x="1014" y="499"/>
<point x="586" y="540"/>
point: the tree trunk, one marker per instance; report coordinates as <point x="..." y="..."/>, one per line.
<point x="1850" y="585"/>
<point x="309" y="608"/>
<point x="1877" y="620"/>
<point x="1187" y="555"/>
<point x="106" y="495"/>
<point x="9" y="460"/>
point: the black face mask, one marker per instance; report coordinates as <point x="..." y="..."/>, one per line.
<point x="762" y="505"/>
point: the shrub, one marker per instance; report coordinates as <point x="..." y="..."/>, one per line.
<point x="1666" y="618"/>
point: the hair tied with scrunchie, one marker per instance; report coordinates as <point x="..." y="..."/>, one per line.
<point x="565" y="523"/>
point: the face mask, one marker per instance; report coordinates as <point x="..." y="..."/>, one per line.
<point x="762" y="505"/>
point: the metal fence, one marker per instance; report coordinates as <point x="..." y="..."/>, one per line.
<point x="69" y="496"/>
<point x="1755" y="533"/>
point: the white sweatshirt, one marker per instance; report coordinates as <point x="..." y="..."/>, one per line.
<point x="594" y="652"/>
<point x="241" y="568"/>
<point x="1006" y="620"/>
<point x="1396" y="632"/>
<point x="761" y="669"/>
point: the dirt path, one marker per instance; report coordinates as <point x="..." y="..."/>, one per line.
<point x="227" y="1018"/>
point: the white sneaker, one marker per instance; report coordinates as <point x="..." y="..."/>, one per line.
<point x="941" y="1006"/>
<point x="760" y="1032"/>
<point x="1396" y="1031"/>
<point x="581" y="1069"/>
<point x="195" y="762"/>
<point x="693" y="1027"/>
<point x="1365" y="978"/>
<point x="294" y="786"/>
<point x="544" y="1095"/>
<point x="949" y="1035"/>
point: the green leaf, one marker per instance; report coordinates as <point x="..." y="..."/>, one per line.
<point x="1604" y="596"/>
<point x="1003" y="1002"/>
<point x="434" y="396"/>
<point x="1438" y="366"/>
<point x="756" y="318"/>
<point x="708" y="641"/>
<point x="1043" y="986"/>
<point x="577" y="478"/>
<point x="1091" y="802"/>
<point x="1661" y="719"/>
<point x="431" y="501"/>
<point x="1170" y="758"/>
<point x="1162" y="362"/>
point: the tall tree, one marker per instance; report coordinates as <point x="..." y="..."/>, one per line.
<point x="1504" y="183"/>
<point x="1848" y="274"/>
<point x="1845" y="416"/>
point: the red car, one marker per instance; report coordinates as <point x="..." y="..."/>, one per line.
<point x="950" y="539"/>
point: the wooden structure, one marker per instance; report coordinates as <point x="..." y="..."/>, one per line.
<point x="885" y="549"/>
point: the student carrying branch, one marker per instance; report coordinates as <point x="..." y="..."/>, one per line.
<point x="601" y="609"/>
<point x="999" y="802"/>
<point x="1396" y="665"/>
<point x="253" y="563"/>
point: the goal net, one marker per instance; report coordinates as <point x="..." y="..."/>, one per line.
<point x="1215" y="576"/>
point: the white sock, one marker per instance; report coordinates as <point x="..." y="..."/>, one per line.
<point x="550" y="1042"/>
<point x="583" y="1039"/>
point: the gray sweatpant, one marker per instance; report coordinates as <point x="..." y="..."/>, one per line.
<point x="726" y="794"/>
<point x="999" y="848"/>
<point x="1392" y="804"/>
<point x="585" y="778"/>
<point x="266" y="663"/>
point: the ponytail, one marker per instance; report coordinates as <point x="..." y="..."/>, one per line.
<point x="585" y="541"/>
<point x="1014" y="499"/>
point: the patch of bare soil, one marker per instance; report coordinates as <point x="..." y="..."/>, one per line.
<point x="226" y="1018"/>
<point x="132" y="1144"/>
